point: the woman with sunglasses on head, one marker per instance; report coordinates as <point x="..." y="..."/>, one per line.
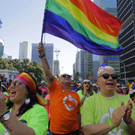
<point x="23" y="114"/>
<point x="125" y="91"/>
<point x="107" y="112"/>
<point x="64" y="104"/>
<point x="86" y="90"/>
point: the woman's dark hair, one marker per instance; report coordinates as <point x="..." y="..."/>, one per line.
<point x="25" y="107"/>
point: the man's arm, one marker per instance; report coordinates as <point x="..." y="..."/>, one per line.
<point x="41" y="50"/>
<point x="131" y="126"/>
<point x="100" y="129"/>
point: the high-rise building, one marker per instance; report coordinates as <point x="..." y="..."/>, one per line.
<point x="105" y="4"/>
<point x="1" y="48"/>
<point x="84" y="64"/>
<point x="96" y="64"/>
<point x="74" y="70"/>
<point x="56" y="68"/>
<point x="126" y="12"/>
<point x="10" y="57"/>
<point x="113" y="61"/>
<point x="49" y="51"/>
<point x="24" y="51"/>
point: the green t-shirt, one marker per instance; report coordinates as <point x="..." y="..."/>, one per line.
<point x="81" y="96"/>
<point x="79" y="92"/>
<point x="98" y="109"/>
<point x="36" y="118"/>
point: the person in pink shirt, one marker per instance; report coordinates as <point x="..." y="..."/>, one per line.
<point x="43" y="89"/>
<point x="48" y="106"/>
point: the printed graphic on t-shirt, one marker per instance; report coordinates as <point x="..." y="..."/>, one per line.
<point x="69" y="102"/>
<point x="107" y="116"/>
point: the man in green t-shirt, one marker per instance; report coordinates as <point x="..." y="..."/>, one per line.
<point x="108" y="113"/>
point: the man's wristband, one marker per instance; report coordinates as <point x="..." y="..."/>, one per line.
<point x="111" y="125"/>
<point x="41" y="56"/>
<point x="129" y="122"/>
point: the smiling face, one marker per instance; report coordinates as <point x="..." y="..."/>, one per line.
<point x="124" y="90"/>
<point x="107" y="85"/>
<point x="18" y="92"/>
<point x="86" y="85"/>
<point x="118" y="88"/>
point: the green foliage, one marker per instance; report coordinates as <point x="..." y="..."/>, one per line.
<point x="25" y="66"/>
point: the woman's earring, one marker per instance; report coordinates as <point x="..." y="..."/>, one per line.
<point x="27" y="101"/>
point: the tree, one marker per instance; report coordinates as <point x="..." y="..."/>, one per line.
<point x="4" y="63"/>
<point x="25" y="66"/>
<point x="16" y="64"/>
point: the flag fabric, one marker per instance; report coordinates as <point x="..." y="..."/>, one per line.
<point x="131" y="85"/>
<point x="83" y="24"/>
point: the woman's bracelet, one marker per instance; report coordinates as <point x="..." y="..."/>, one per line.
<point x="41" y="56"/>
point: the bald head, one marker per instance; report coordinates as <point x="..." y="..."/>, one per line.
<point x="101" y="69"/>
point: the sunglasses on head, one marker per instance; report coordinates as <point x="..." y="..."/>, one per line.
<point x="66" y="75"/>
<point x="86" y="83"/>
<point x="106" y="76"/>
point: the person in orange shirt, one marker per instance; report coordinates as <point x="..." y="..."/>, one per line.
<point x="64" y="104"/>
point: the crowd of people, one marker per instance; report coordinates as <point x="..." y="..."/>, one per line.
<point x="64" y="106"/>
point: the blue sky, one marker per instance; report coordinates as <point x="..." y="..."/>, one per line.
<point x="22" y="21"/>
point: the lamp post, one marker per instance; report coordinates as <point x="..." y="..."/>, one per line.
<point x="124" y="71"/>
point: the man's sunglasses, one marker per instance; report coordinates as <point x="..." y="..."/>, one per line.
<point x="66" y="75"/>
<point x="106" y="76"/>
<point x="118" y="86"/>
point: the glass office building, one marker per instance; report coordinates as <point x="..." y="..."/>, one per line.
<point x="1" y="48"/>
<point x="126" y="12"/>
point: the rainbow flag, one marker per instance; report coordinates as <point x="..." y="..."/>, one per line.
<point x="83" y="24"/>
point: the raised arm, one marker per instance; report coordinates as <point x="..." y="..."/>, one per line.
<point x="41" y="50"/>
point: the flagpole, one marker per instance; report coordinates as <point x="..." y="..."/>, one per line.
<point x="43" y="25"/>
<point x="42" y="37"/>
